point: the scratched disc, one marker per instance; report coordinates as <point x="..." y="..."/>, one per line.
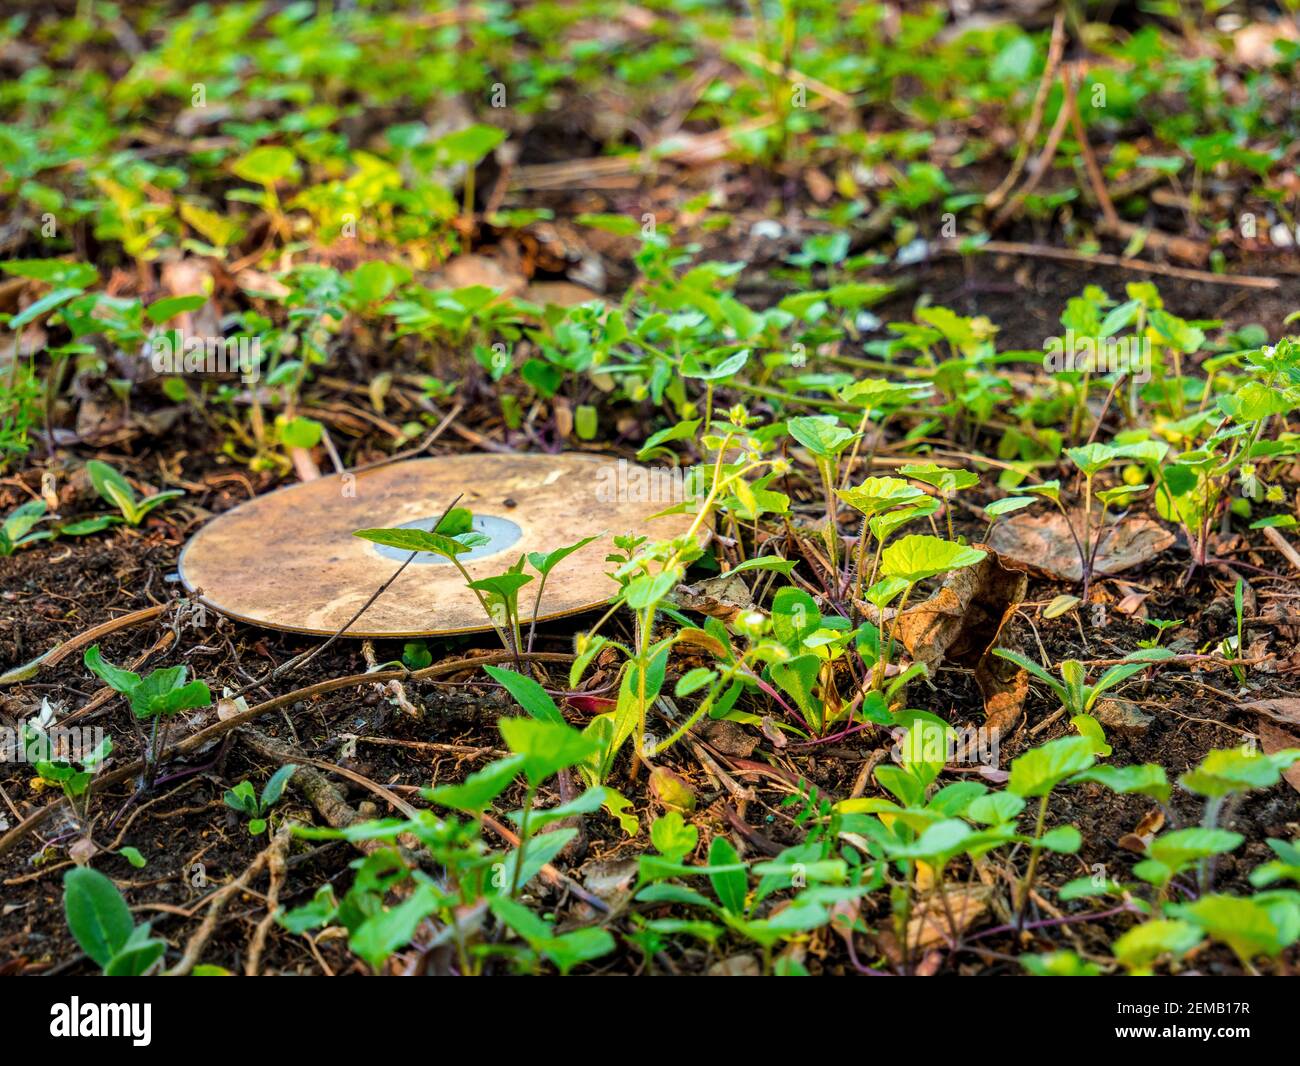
<point x="288" y="560"/>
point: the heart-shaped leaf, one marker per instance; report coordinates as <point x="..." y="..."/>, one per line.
<point x="918" y="556"/>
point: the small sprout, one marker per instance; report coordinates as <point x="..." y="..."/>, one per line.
<point x="116" y="490"/>
<point x="16" y="530"/>
<point x="242" y="798"/>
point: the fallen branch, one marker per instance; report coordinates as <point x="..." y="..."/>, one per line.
<point x="1054" y="52"/>
<point x="1069" y="255"/>
<point x="218" y="900"/>
<point x="61" y="651"/>
<point x="1284" y="546"/>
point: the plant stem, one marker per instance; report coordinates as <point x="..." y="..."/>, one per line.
<point x="1035" y="849"/>
<point x="523" y="839"/>
<point x="482" y="602"/>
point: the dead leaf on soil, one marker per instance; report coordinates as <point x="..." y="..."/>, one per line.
<point x="559" y="294"/>
<point x="1285" y="710"/>
<point x="1274" y="739"/>
<point x="961" y="624"/>
<point x="464" y="271"/>
<point x="929" y="926"/>
<point x="1254" y="45"/>
<point x="252" y="280"/>
<point x="729" y="738"/>
<point x="610" y="879"/>
<point x="1043" y="543"/>
<point x="718" y="597"/>
<point x="1143" y="833"/>
<point x="736" y="966"/>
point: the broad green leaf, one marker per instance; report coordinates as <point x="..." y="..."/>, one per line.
<point x="476" y="793"/>
<point x="1144" y="944"/>
<point x="162" y="310"/>
<point x="918" y="556"/>
<point x="415" y="540"/>
<point x="506" y="586"/>
<point x="1040" y="770"/>
<point x="274" y="788"/>
<point x="823" y="435"/>
<point x="97" y="914"/>
<point x="1147" y="779"/>
<point x="381" y="934"/>
<point x="1182" y="846"/>
<point x="1064" y="839"/>
<point x="946" y="479"/>
<point x="877" y="494"/>
<point x="547" y="747"/>
<point x="119" y="680"/>
<point x="527" y="693"/>
<point x="1228" y="770"/>
<point x="545" y="562"/>
<point x="673" y="837"/>
<point x="1250" y="928"/>
<point x="731" y="886"/>
<point x="1091" y="458"/>
<point x="112" y="487"/>
<point x="59" y="273"/>
<point x="267" y="165"/>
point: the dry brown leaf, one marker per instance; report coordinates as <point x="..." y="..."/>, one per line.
<point x="929" y="925"/>
<point x="961" y="624"/>
<point x="721" y="597"/>
<point x="1274" y="739"/>
<point x="1144" y="832"/>
<point x="1043" y="543"/>
<point x="256" y="281"/>
<point x="1253" y="45"/>
<point x="559" y="293"/>
<point x="737" y="966"/>
<point x="1285" y="710"/>
<point x="462" y="271"/>
<point x="729" y="738"/>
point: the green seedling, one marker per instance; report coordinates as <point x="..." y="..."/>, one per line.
<point x="454" y="535"/>
<point x="913" y="559"/>
<point x="1159" y="625"/>
<point x="1286" y="867"/>
<point x="544" y="563"/>
<point x="1006" y="505"/>
<point x="1036" y="774"/>
<point x="500" y="595"/>
<point x="102" y="925"/>
<point x="1231" y="647"/>
<point x="73" y="775"/>
<point x="1078" y="697"/>
<point x="473" y="881"/>
<point x="875" y="496"/>
<point x="16" y="530"/>
<point x="825" y="438"/>
<point x="1227" y="772"/>
<point x="156" y="697"/>
<point x="736" y="907"/>
<point x="256" y="808"/>
<point x="1263" y="925"/>
<point x="115" y="489"/>
<point x="945" y="480"/>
